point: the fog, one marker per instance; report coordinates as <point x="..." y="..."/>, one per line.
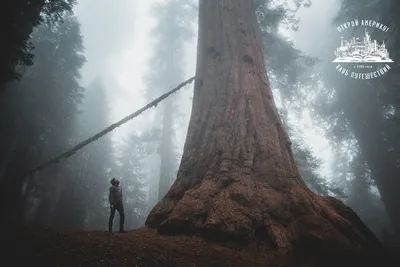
<point x="134" y="51"/>
<point x="121" y="50"/>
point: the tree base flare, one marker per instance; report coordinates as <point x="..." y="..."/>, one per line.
<point x="287" y="218"/>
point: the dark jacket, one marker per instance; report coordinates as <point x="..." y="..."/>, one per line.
<point x="115" y="195"/>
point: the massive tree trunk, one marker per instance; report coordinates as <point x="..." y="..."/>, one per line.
<point x="238" y="180"/>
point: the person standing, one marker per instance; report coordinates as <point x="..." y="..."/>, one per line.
<point x="116" y="203"/>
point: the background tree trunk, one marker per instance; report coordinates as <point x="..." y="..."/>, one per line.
<point x="374" y="146"/>
<point x="238" y="180"/>
<point x="166" y="150"/>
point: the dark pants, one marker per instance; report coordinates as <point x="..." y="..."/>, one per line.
<point x="120" y="208"/>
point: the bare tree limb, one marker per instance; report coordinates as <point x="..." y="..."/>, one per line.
<point x="110" y="128"/>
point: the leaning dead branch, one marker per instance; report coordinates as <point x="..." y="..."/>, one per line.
<point x="110" y="128"/>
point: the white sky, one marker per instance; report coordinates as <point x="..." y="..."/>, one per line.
<point x="117" y="41"/>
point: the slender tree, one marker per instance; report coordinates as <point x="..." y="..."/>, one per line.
<point x="366" y="203"/>
<point x="237" y="177"/>
<point x="84" y="193"/>
<point x="133" y="179"/>
<point x="167" y="68"/>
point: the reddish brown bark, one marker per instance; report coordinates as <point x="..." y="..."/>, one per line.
<point x="238" y="179"/>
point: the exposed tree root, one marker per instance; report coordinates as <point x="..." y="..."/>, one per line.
<point x="291" y="220"/>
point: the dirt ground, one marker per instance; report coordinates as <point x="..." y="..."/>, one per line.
<point x="142" y="248"/>
<point x="138" y="248"/>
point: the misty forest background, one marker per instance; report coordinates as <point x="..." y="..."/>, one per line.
<point x="45" y="109"/>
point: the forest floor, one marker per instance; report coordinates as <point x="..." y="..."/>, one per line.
<point x="138" y="248"/>
<point x="142" y="248"/>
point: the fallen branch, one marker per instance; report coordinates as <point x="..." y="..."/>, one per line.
<point x="110" y="128"/>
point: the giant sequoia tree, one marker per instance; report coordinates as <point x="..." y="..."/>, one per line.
<point x="237" y="178"/>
